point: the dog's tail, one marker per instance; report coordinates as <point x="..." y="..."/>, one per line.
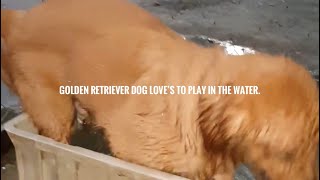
<point x="5" y="72"/>
<point x="9" y="19"/>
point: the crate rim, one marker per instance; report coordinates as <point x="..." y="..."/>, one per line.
<point x="103" y="158"/>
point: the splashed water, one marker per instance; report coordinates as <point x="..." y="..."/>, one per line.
<point x="228" y="46"/>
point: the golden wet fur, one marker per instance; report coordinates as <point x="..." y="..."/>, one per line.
<point x="78" y="42"/>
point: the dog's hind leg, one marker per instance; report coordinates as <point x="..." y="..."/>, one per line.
<point x="51" y="113"/>
<point x="37" y="77"/>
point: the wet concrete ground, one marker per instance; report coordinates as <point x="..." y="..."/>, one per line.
<point x="289" y="27"/>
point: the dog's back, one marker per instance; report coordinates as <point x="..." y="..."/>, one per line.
<point x="57" y="26"/>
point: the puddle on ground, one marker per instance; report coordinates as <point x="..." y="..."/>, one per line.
<point x="228" y="46"/>
<point x="87" y="136"/>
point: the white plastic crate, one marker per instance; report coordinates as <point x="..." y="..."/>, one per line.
<point x="41" y="158"/>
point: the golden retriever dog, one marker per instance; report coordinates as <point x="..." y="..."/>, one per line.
<point x="198" y="136"/>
